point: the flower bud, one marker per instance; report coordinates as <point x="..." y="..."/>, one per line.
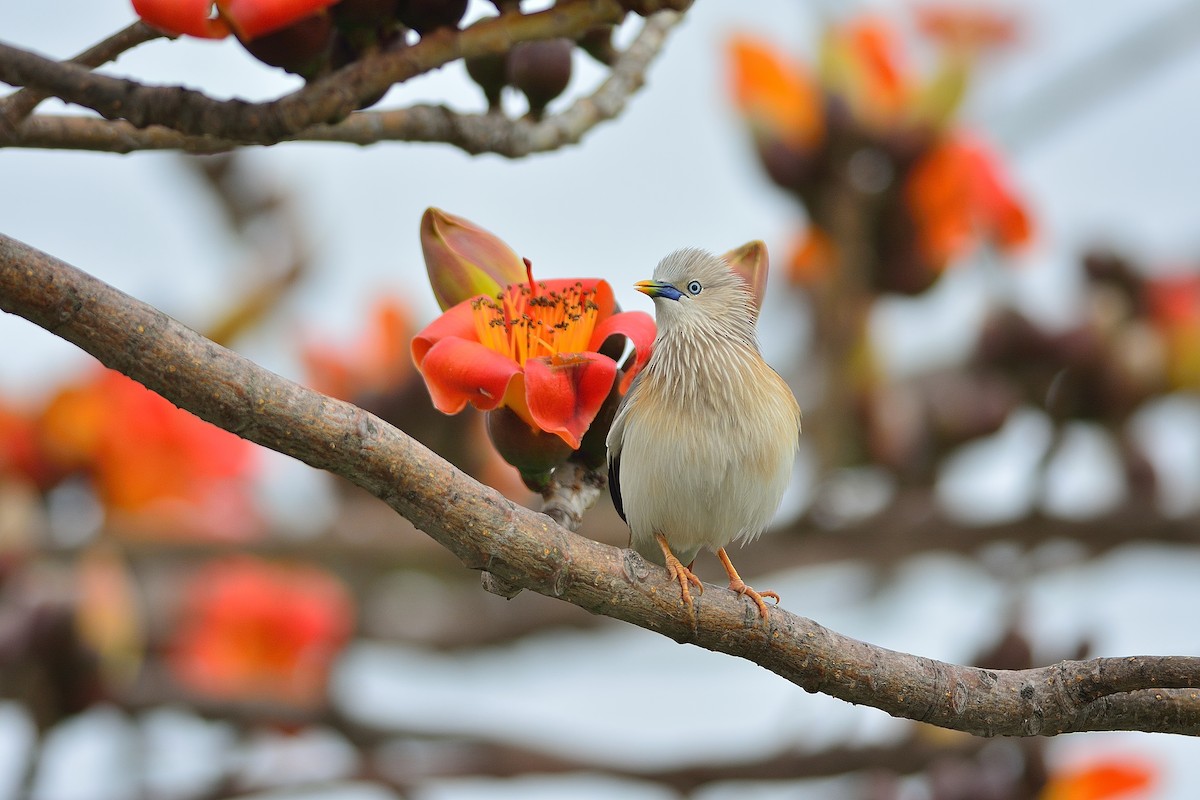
<point x="491" y="74"/>
<point x="541" y="70"/>
<point x="464" y="260"/>
<point x="752" y="263"/>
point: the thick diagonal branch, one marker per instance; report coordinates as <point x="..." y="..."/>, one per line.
<point x="486" y="531"/>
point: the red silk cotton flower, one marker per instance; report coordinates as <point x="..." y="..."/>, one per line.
<point x="249" y="18"/>
<point x="534" y="349"/>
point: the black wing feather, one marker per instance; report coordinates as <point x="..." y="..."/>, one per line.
<point x="614" y="484"/>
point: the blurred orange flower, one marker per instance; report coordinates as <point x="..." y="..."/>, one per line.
<point x="152" y="464"/>
<point x="775" y="94"/>
<point x="929" y="192"/>
<point x="377" y="362"/>
<point x="958" y="195"/>
<point x="1123" y="779"/>
<point x="253" y="630"/>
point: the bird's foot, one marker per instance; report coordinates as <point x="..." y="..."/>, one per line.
<point x="678" y="572"/>
<point x="738" y="585"/>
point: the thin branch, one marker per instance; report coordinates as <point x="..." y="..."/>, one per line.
<point x="474" y="133"/>
<point x="327" y="100"/>
<point x="487" y="532"/>
<point x="17" y="106"/>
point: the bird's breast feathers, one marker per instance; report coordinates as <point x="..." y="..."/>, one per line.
<point x="707" y="469"/>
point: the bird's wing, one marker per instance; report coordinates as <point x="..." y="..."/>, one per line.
<point x="616" y="437"/>
<point x="614" y="483"/>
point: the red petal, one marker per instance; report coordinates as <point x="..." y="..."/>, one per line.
<point x="636" y="326"/>
<point x="192" y="17"/>
<point x="253" y="18"/>
<point x="457" y="323"/>
<point x="565" y="392"/>
<point x="458" y="371"/>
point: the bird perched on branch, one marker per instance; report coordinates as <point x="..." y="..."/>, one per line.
<point x="702" y="446"/>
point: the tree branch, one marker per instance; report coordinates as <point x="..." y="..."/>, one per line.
<point x="327" y="100"/>
<point x="487" y="532"/>
<point x="474" y="133"/>
<point x="17" y="106"/>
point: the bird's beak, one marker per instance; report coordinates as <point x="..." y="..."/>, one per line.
<point x="658" y="289"/>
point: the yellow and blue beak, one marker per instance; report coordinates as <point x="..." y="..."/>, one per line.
<point x="658" y="289"/>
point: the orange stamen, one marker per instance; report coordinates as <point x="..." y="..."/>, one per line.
<point x="528" y="321"/>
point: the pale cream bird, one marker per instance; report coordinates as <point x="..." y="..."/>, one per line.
<point x="702" y="446"/>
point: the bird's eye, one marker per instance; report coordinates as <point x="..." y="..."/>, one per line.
<point x="694" y="287"/>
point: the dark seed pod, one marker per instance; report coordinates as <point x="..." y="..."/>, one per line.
<point x="491" y="73"/>
<point x="541" y="70"/>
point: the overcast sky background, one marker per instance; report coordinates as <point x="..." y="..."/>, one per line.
<point x="675" y="170"/>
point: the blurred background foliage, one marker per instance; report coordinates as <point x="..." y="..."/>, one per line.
<point x="188" y="626"/>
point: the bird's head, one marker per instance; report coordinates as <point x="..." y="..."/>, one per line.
<point x="697" y="292"/>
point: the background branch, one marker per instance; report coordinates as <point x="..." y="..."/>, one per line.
<point x="17" y="106"/>
<point x="327" y="100"/>
<point x="474" y="133"/>
<point x="486" y="531"/>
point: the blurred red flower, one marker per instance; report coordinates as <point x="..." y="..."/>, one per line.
<point x="958" y="195"/>
<point x="152" y="464"/>
<point x="1174" y="307"/>
<point x="249" y="18"/>
<point x="256" y="631"/>
<point x="377" y="362"/>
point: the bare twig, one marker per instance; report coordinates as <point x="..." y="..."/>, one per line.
<point x="17" y="106"/>
<point x="486" y="531"/>
<point x="474" y="133"/>
<point x="327" y="100"/>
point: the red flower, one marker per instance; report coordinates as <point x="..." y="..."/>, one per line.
<point x="253" y="630"/>
<point x="249" y="18"/>
<point x="150" y="461"/>
<point x="533" y="349"/>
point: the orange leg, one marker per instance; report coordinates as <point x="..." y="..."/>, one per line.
<point x="679" y="572"/>
<point x="738" y="585"/>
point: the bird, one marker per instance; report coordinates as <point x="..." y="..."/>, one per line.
<point x="702" y="445"/>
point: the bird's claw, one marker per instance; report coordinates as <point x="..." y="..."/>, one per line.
<point x="678" y="572"/>
<point x="741" y="588"/>
<point x="738" y="585"/>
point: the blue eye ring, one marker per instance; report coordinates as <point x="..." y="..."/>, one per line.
<point x="694" y="287"/>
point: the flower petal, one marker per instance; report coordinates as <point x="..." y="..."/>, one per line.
<point x="191" y="17"/>
<point x="464" y="260"/>
<point x="779" y="100"/>
<point x="752" y="263"/>
<point x="457" y="323"/>
<point x="565" y="392"/>
<point x="636" y="326"/>
<point x="458" y="371"/>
